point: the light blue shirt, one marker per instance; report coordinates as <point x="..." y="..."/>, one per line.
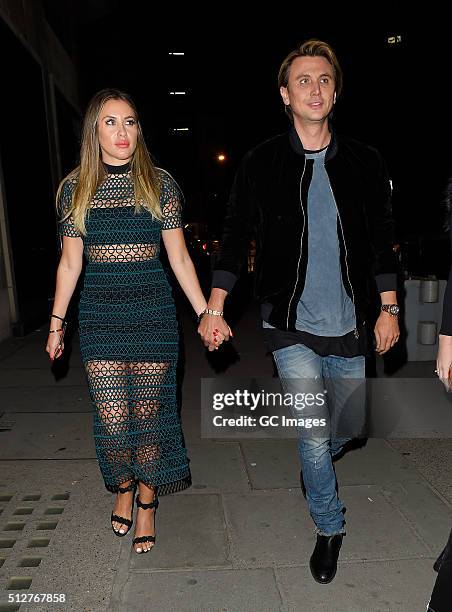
<point x="324" y="309"/>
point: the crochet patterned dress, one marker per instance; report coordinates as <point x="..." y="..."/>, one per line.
<point x="129" y="335"/>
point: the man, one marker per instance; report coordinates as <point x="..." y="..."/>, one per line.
<point x="318" y="206"/>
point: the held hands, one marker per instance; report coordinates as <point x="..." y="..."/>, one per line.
<point x="386" y="332"/>
<point x="444" y="360"/>
<point x="214" y="330"/>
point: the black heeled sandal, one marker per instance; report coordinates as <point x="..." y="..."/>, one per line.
<point x="148" y="538"/>
<point x="120" y="519"/>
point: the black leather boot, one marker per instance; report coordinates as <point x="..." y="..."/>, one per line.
<point x="323" y="561"/>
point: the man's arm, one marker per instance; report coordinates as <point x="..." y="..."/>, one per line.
<point x="382" y="232"/>
<point x="387" y="326"/>
<point x="235" y="242"/>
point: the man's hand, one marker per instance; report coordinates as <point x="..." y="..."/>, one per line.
<point x="213" y="330"/>
<point x="386" y="332"/>
<point x="444" y="360"/>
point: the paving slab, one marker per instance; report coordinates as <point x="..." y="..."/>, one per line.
<point x="46" y="399"/>
<point x="376" y="530"/>
<point x="431" y="457"/>
<point x="393" y="586"/>
<point x="217" y="467"/>
<point x="268" y="528"/>
<point x="33" y="355"/>
<point x="374" y="463"/>
<point x="218" y="544"/>
<point x="50" y="436"/>
<point x="274" y="528"/>
<point x="190" y="534"/>
<point x="445" y="491"/>
<point x="272" y="464"/>
<point x="39" y="377"/>
<point x="10" y="346"/>
<point x="427" y="513"/>
<point x="80" y="557"/>
<point x="201" y="591"/>
<point x="191" y="427"/>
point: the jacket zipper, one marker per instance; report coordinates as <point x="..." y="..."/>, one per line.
<point x="301" y="248"/>
<point x="356" y="332"/>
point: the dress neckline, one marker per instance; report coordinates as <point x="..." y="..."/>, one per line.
<point x="123" y="169"/>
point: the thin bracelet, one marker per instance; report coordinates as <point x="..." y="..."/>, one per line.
<point x="52" y="331"/>
<point x="57" y="317"/>
<point x="200" y="316"/>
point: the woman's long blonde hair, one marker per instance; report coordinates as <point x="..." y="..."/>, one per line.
<point x="91" y="171"/>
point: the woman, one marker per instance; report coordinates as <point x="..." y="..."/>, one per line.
<point x="444" y="357"/>
<point x="442" y="592"/>
<point x="114" y="208"/>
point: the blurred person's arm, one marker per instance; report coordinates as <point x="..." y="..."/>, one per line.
<point x="444" y="357"/>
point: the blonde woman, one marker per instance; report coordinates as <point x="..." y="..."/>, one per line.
<point x="114" y="208"/>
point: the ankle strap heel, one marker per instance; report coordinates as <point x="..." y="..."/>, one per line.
<point x="131" y="487"/>
<point x="153" y="504"/>
<point x="115" y="518"/>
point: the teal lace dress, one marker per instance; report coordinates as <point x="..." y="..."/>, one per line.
<point x="129" y="334"/>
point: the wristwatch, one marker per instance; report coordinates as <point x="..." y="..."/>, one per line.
<point x="392" y="309"/>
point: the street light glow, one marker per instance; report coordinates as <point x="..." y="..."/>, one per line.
<point x="221" y="157"/>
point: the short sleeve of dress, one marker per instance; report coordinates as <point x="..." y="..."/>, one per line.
<point x="171" y="202"/>
<point x="66" y="223"/>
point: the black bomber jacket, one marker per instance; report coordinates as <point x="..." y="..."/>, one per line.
<point x="268" y="202"/>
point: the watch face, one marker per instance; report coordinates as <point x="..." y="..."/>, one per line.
<point x="394" y="309"/>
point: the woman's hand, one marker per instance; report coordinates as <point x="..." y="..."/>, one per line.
<point x="214" y="330"/>
<point x="444" y="360"/>
<point x="55" y="344"/>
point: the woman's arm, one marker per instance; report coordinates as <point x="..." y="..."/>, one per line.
<point x="444" y="359"/>
<point x="183" y="268"/>
<point x="67" y="276"/>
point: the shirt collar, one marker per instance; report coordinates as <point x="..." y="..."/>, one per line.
<point x="297" y="145"/>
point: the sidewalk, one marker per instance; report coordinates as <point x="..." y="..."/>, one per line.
<point x="238" y="540"/>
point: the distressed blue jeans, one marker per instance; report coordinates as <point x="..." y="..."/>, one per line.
<point x="301" y="369"/>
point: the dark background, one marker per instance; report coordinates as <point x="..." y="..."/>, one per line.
<point x="396" y="98"/>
